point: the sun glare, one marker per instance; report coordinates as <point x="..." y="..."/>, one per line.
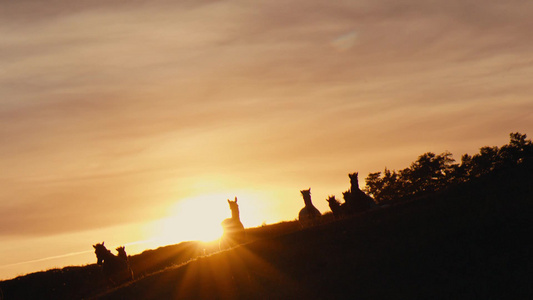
<point x="198" y="218"/>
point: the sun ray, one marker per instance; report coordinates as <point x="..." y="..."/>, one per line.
<point x="199" y="217"/>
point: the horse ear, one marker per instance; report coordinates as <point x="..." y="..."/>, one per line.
<point x="94" y="246"/>
<point x="102" y="243"/>
<point x="235" y="199"/>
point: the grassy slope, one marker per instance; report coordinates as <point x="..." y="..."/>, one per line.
<point x="88" y="281"/>
<point x="469" y="242"/>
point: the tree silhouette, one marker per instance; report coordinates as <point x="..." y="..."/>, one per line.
<point x="517" y="151"/>
<point x="432" y="172"/>
<point x="384" y="189"/>
<point x="429" y="173"/>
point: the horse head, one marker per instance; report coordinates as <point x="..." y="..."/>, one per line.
<point x="354" y="181"/>
<point x="306" y="194"/>
<point x="234" y="207"/>
<point x="333" y="201"/>
<point x="335" y="206"/>
<point x="122" y="252"/>
<point x="100" y="250"/>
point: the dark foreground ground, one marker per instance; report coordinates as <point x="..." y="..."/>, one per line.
<point x="470" y="242"/>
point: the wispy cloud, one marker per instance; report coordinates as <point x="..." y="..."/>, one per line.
<point x="119" y="104"/>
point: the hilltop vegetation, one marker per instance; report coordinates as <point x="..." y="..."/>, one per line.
<point x="432" y="173"/>
<point x="458" y="231"/>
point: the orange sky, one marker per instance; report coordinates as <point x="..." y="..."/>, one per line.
<point x="115" y="114"/>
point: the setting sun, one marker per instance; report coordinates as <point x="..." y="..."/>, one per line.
<point x="199" y="218"/>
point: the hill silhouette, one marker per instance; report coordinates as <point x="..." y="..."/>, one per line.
<point x="469" y="241"/>
<point x="80" y="282"/>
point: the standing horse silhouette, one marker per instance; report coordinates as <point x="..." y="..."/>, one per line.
<point x="233" y="230"/>
<point x="335" y="207"/>
<point x="308" y="215"/>
<point x="122" y="254"/>
<point x="356" y="200"/>
<point x="115" y="268"/>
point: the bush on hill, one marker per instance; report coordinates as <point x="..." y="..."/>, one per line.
<point x="432" y="173"/>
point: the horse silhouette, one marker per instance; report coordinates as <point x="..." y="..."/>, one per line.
<point x="355" y="200"/>
<point x="233" y="230"/>
<point x="115" y="268"/>
<point x="335" y="207"/>
<point x="308" y="215"/>
<point x="122" y="254"/>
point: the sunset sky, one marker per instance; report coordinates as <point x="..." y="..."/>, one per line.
<point x="132" y="122"/>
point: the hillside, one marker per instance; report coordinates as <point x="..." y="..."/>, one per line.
<point x="87" y="281"/>
<point x="470" y="242"/>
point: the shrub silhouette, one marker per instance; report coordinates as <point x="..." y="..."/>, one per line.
<point x="433" y="173"/>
